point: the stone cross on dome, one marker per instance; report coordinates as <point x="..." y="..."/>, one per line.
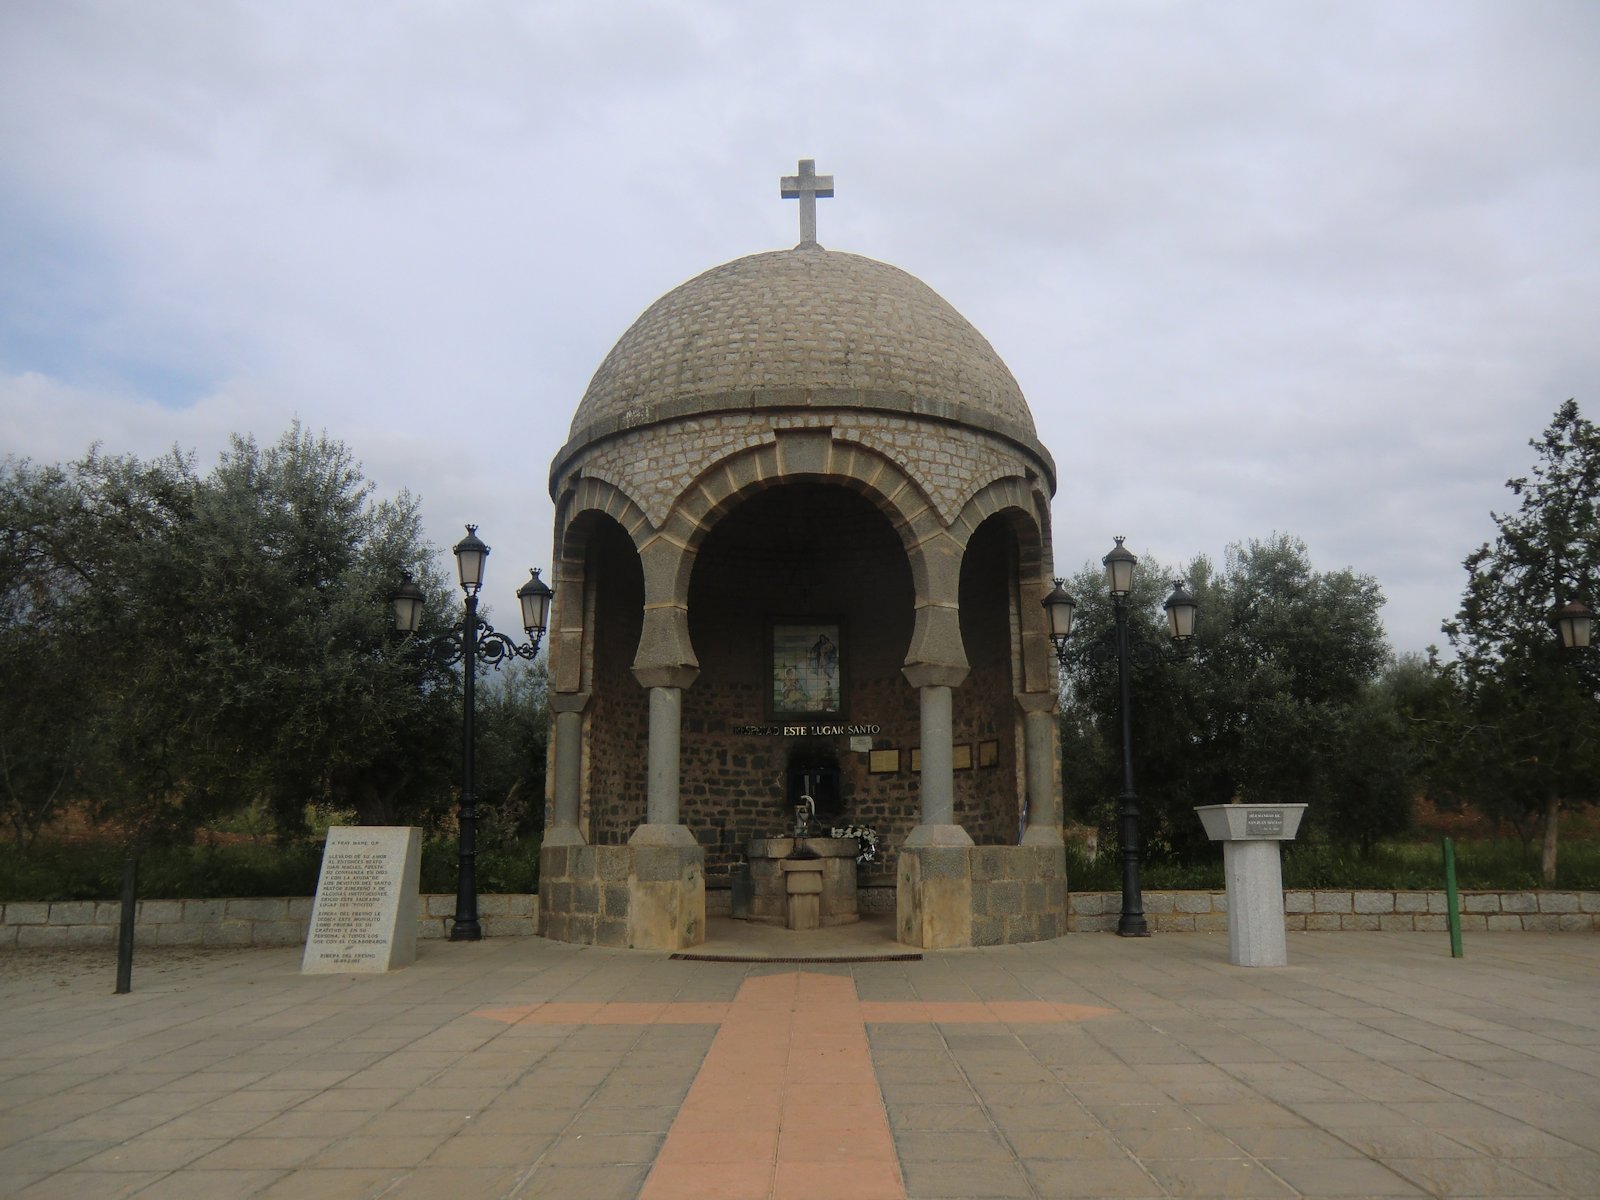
<point x="806" y="187"/>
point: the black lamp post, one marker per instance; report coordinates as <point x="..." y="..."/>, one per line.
<point x="1575" y="622"/>
<point x="470" y="641"/>
<point x="1128" y="648"/>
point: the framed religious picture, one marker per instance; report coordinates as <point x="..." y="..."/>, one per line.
<point x="883" y="762"/>
<point x="988" y="754"/>
<point x="961" y="756"/>
<point x="805" y="668"/>
<point x="916" y="759"/>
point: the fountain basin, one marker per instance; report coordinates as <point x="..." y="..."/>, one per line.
<point x="834" y="865"/>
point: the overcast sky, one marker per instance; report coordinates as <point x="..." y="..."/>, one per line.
<point x="1321" y="268"/>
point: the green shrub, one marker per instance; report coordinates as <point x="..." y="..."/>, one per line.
<point x="508" y="868"/>
<point x="1397" y="866"/>
<point x="51" y="871"/>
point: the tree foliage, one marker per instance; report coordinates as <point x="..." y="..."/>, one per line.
<point x="177" y="646"/>
<point x="512" y="746"/>
<point x="1282" y="697"/>
<point x="1521" y="738"/>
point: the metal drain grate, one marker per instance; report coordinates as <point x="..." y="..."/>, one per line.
<point x="820" y="958"/>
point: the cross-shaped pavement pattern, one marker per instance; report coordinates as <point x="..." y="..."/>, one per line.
<point x="786" y="1102"/>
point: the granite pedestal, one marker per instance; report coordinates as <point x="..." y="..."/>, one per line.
<point x="1253" y="872"/>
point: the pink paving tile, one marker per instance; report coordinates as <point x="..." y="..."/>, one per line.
<point x="719" y="1145"/>
<point x="692" y="1181"/>
<point x="802" y="1143"/>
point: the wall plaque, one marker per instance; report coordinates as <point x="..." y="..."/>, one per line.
<point x="364" y="918"/>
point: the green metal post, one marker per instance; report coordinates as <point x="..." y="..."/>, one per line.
<point x="1452" y="902"/>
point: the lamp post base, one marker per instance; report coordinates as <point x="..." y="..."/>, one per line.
<point x="1133" y="926"/>
<point x="466" y="931"/>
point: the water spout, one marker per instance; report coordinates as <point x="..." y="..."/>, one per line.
<point x="804" y="814"/>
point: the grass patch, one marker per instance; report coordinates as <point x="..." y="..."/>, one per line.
<point x="91" y="870"/>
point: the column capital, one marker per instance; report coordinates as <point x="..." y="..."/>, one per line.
<point x="573" y="702"/>
<point x="1038" y="702"/>
<point x="929" y="674"/>
<point x="679" y="676"/>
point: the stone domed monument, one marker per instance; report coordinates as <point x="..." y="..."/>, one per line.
<point x="801" y="538"/>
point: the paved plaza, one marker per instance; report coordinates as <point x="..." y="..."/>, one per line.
<point x="1375" y="1065"/>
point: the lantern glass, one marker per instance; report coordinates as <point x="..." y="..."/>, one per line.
<point x="1060" y="606"/>
<point x="1181" y="611"/>
<point x="1575" y="620"/>
<point x="535" y="598"/>
<point x="1119" y="566"/>
<point x="407" y="600"/>
<point x="470" y="553"/>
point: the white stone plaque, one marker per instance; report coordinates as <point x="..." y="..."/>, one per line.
<point x="365" y="915"/>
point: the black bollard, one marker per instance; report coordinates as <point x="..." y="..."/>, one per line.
<point x="130" y="882"/>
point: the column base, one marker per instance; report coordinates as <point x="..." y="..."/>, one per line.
<point x="662" y="835"/>
<point x="563" y="835"/>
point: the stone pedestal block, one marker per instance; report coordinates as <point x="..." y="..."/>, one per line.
<point x="949" y="896"/>
<point x="648" y="896"/>
<point x="933" y="898"/>
<point x="666" y="898"/>
<point x="802" y="878"/>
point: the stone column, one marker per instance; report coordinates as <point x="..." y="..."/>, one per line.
<point x="666" y="726"/>
<point x="662" y="825"/>
<point x="938" y="825"/>
<point x="1042" y="786"/>
<point x="667" y="878"/>
<point x="568" y="768"/>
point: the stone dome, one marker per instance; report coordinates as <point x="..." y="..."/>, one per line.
<point x="799" y="328"/>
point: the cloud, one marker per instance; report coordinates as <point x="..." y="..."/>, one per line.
<point x="1321" y="268"/>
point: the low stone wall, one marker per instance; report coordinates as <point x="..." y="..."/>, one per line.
<point x="282" y="921"/>
<point x="1544" y="912"/>
<point x="267" y="921"/>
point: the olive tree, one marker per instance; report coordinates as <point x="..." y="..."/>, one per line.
<point x="1526" y="740"/>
